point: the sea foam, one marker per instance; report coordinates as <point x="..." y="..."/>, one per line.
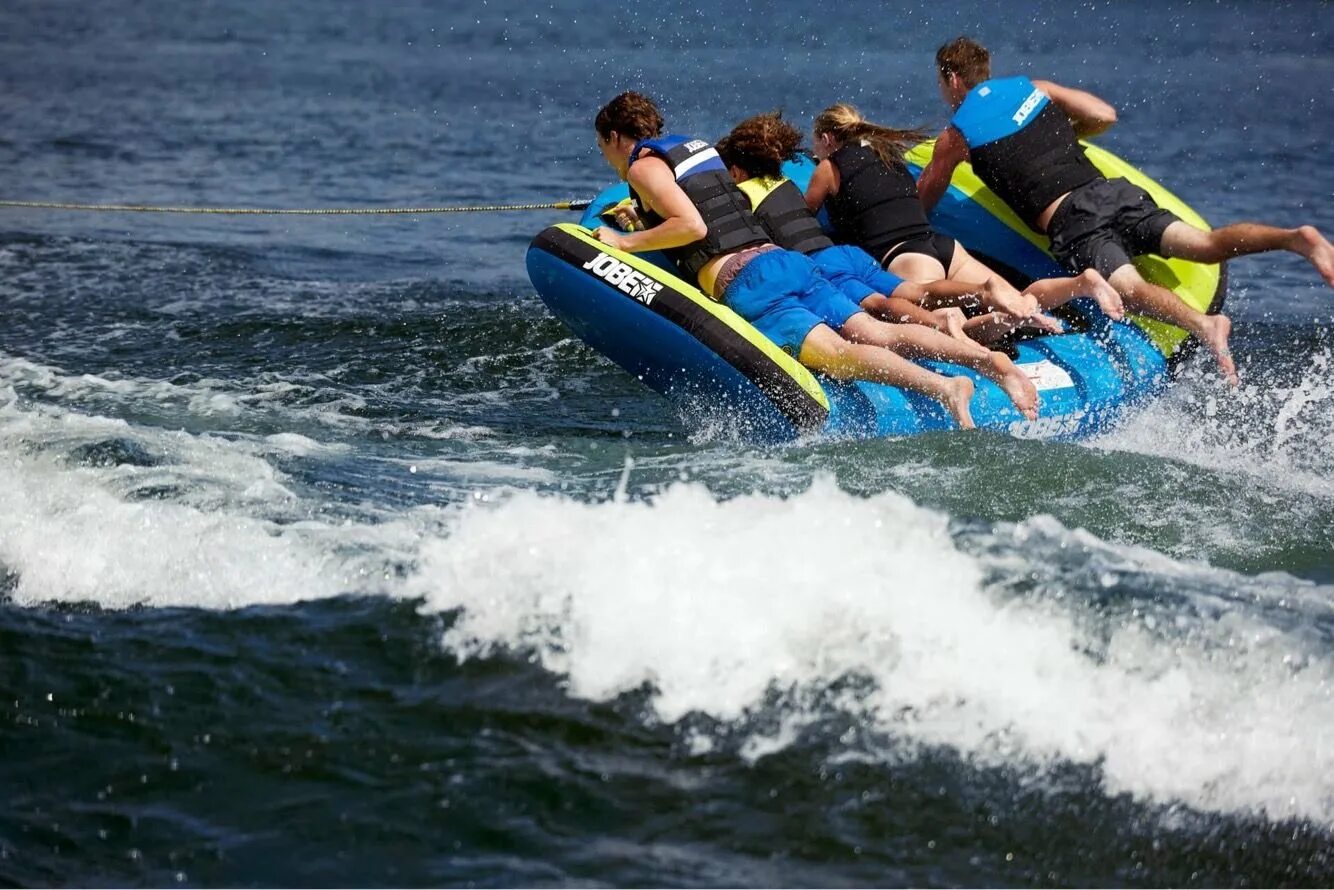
<point x="715" y="606"/>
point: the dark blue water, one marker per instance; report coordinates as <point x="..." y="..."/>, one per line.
<point x="327" y="556"/>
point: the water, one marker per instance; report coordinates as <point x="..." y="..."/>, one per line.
<point x="328" y="557"/>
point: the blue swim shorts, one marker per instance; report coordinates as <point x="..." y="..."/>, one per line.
<point x="854" y="272"/>
<point x="783" y="295"/>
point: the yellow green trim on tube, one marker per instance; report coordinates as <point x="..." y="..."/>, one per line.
<point x="795" y="369"/>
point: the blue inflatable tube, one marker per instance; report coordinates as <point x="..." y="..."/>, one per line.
<point x="635" y="310"/>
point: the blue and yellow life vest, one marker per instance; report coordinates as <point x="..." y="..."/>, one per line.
<point x="705" y="180"/>
<point x="781" y="208"/>
<point x="1021" y="145"/>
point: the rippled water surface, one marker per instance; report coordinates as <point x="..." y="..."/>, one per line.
<point x="327" y="556"/>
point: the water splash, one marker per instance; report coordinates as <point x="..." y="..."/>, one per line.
<point x="722" y="608"/>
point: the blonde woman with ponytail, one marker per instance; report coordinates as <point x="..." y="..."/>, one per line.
<point x="872" y="201"/>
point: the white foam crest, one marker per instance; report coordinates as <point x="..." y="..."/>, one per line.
<point x="715" y="606"/>
<point x="193" y="520"/>
<point x="225" y="400"/>
<point x="535" y="361"/>
<point x="68" y="540"/>
<point x="209" y="471"/>
<point x="1275" y="433"/>
<point x="302" y="446"/>
<point x="66" y="535"/>
<point x="447" y="431"/>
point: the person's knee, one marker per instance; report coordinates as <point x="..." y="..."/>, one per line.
<point x="1182" y="237"/>
<point x="857" y="327"/>
<point x="878" y="306"/>
<point x="1125" y="278"/>
<point x="862" y="328"/>
<point x="820" y="346"/>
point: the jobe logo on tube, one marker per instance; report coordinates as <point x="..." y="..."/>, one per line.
<point x="624" y="278"/>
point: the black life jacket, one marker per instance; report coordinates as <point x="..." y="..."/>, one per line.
<point x="1022" y="145"/>
<point x="705" y="180"/>
<point x="876" y="205"/>
<point x="781" y="208"/>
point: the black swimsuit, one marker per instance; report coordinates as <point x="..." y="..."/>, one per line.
<point x="935" y="245"/>
<point x="877" y="209"/>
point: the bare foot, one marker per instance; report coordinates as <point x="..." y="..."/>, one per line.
<point x="1109" y="301"/>
<point x="958" y="393"/>
<point x="951" y="321"/>
<point x="1213" y="333"/>
<point x="1016" y="385"/>
<point x="1024" y="307"/>
<point x="1000" y="294"/>
<point x="990" y="327"/>
<point x="1318" y="251"/>
<point x="1041" y="322"/>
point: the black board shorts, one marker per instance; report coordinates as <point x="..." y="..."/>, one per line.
<point x="932" y="244"/>
<point x="1104" y="223"/>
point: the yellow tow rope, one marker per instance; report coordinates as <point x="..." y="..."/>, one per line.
<point x="321" y="211"/>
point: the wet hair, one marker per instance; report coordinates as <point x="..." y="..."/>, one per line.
<point x="847" y="125"/>
<point x="965" y="57"/>
<point x="760" y="144"/>
<point x="630" y="114"/>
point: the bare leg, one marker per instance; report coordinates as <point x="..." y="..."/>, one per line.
<point x="1183" y="240"/>
<point x="968" y="283"/>
<point x="940" y="294"/>
<point x="823" y="350"/>
<point x="992" y="326"/>
<point x="986" y="328"/>
<point x="951" y="321"/>
<point x="897" y="310"/>
<point x="992" y="292"/>
<point x="916" y="341"/>
<point x="1053" y="292"/>
<point x="997" y="293"/>
<point x="1160" y="303"/>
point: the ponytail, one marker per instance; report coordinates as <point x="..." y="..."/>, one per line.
<point x="846" y="124"/>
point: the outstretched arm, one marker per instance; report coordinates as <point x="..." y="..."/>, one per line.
<point x="681" y="223"/>
<point x="950" y="152"/>
<point x="1089" y="114"/>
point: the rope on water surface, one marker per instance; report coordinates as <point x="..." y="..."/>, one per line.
<point x="319" y="211"/>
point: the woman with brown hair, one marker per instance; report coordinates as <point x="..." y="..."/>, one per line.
<point x="872" y="201"/>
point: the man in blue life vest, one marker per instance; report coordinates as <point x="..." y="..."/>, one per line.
<point x="1022" y="137"/>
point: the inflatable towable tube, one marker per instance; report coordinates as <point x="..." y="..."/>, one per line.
<point x="638" y="312"/>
